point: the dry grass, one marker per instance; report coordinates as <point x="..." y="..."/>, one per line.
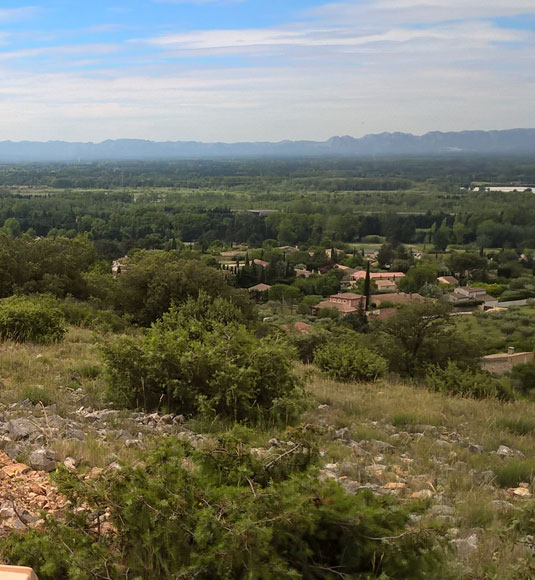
<point x="93" y="452"/>
<point x="469" y="482"/>
<point x="47" y="373"/>
<point x="486" y="422"/>
<point x="28" y="369"/>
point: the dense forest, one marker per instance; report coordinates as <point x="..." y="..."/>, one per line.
<point x="153" y="205"/>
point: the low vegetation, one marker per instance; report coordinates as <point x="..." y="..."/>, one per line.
<point x="31" y="319"/>
<point x="222" y="513"/>
<point x="350" y="361"/>
<point x="199" y="360"/>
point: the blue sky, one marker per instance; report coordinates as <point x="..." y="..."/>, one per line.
<point x="230" y="70"/>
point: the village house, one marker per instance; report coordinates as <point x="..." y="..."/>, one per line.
<point x="262" y="212"/>
<point x="465" y="294"/>
<point x="385" y="285"/>
<point x="392" y="276"/>
<point x="329" y="252"/>
<point x="395" y="298"/>
<point x="300" y="273"/>
<point x="300" y="327"/>
<point x="262" y="263"/>
<point x="381" y="313"/>
<point x="259" y="288"/>
<point x="345" y="303"/>
<point x="503" y="362"/>
<point x="448" y="281"/>
<point x="288" y="249"/>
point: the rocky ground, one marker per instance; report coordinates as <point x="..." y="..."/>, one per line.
<point x="396" y="440"/>
<point x="31" y="433"/>
<point x="391" y="465"/>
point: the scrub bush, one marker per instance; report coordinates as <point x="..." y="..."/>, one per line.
<point x="35" y="319"/>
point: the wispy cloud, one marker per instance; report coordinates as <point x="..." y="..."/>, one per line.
<point x="214" y="41"/>
<point x="346" y="67"/>
<point x="65" y="51"/>
<point x="22" y="13"/>
<point x="421" y="11"/>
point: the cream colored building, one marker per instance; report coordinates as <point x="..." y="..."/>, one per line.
<point x="502" y="362"/>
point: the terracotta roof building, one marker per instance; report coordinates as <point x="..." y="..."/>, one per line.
<point x="262" y="263"/>
<point x="393" y="276"/>
<point x="303" y="273"/>
<point x="381" y="313"/>
<point x="345" y="302"/>
<point x="448" y="280"/>
<point x="395" y="298"/>
<point x="259" y="288"/>
<point x="301" y="327"/>
<point x="386" y="285"/>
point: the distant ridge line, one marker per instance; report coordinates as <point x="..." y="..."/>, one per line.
<point x="505" y="142"/>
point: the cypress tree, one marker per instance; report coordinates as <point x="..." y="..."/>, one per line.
<point x="367" y="285"/>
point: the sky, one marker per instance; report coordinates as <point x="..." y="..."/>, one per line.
<point x="262" y="70"/>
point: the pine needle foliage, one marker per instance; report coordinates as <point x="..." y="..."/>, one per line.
<point x="224" y="513"/>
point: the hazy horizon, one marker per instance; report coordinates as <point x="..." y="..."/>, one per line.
<point x="228" y="142"/>
<point x="258" y="70"/>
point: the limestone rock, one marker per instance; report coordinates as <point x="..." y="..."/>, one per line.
<point x="344" y="434"/>
<point x="504" y="451"/>
<point x="422" y="494"/>
<point x="478" y="449"/>
<point x="42" y="460"/>
<point x="465" y="546"/>
<point x="21" y="428"/>
<point x="70" y="463"/>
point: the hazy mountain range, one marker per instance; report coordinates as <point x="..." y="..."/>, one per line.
<point x="509" y="142"/>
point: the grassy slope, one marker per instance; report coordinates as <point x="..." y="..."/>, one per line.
<point x="50" y="374"/>
<point x="456" y="477"/>
<point x="429" y="432"/>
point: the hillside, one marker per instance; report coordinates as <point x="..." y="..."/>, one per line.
<point x="464" y="459"/>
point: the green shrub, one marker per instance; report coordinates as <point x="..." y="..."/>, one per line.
<point x="349" y="361"/>
<point x="155" y="279"/>
<point x="31" y="319"/>
<point x="38" y="395"/>
<point x="211" y="366"/>
<point x="219" y="515"/>
<point x="513" y="472"/>
<point x="454" y="380"/>
<point x="332" y="313"/>
<point x="90" y="315"/>
<point x="306" y="343"/>
<point x="523" y="377"/>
